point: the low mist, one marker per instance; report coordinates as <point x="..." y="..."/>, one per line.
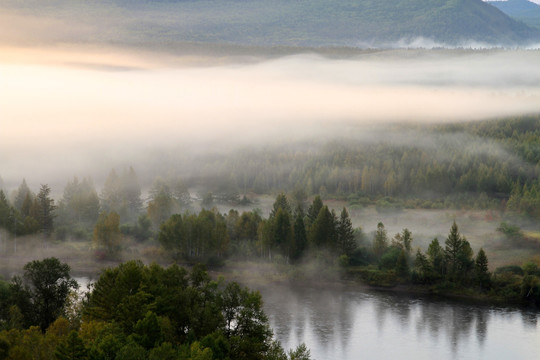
<point x="67" y="111"/>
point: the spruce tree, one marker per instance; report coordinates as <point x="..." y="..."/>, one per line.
<point x="46" y="209"/>
<point x="345" y="234"/>
<point x="481" y="270"/>
<point x="299" y="236"/>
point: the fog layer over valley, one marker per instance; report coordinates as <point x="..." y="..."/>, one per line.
<point x="69" y="112"/>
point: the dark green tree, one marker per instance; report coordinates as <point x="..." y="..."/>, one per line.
<point x="282" y="232"/>
<point x="458" y="255"/>
<point x="345" y="235"/>
<point x="481" y="270"/>
<point x="380" y="241"/>
<point x="173" y="236"/>
<point x="402" y="264"/>
<point x="46" y="210"/>
<point x="300" y="241"/>
<point x="436" y="257"/>
<point x="47" y="283"/>
<point x="71" y="348"/>
<point x="314" y="210"/>
<point x="322" y="233"/>
<point x="281" y="202"/>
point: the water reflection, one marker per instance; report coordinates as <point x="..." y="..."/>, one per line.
<point x="346" y="324"/>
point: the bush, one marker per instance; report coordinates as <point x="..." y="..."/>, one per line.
<point x="510" y="269"/>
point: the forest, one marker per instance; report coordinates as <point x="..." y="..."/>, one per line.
<point x="305" y="235"/>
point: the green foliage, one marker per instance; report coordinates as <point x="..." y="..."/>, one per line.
<point x="72" y="348"/>
<point x="42" y="292"/>
<point x="300" y="353"/>
<point x="225" y="320"/>
<point x="380" y="241"/>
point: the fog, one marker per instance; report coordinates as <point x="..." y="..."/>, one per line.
<point x="79" y="111"/>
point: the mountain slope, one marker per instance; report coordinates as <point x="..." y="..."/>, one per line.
<point x="522" y="10"/>
<point x="352" y="23"/>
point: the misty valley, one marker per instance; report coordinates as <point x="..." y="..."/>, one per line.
<point x="269" y="180"/>
<point x="461" y="198"/>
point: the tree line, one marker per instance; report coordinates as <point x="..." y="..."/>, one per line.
<point x="286" y="233"/>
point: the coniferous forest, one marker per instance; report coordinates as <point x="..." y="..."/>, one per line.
<point x="132" y="310"/>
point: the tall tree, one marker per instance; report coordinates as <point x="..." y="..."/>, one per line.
<point x="46" y="209"/>
<point x="5" y="212"/>
<point x="21" y="194"/>
<point x="79" y="203"/>
<point x="314" y="210"/>
<point x="281" y="202"/>
<point x="458" y="254"/>
<point x="345" y="234"/>
<point x="322" y="233"/>
<point x="282" y="232"/>
<point x="481" y="271"/>
<point x="380" y="241"/>
<point x="436" y="257"/>
<point x="300" y="240"/>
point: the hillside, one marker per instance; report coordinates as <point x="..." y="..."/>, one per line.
<point x="522" y="10"/>
<point x="364" y="23"/>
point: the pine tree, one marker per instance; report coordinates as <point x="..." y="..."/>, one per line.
<point x="5" y="211"/>
<point x="299" y="236"/>
<point x="46" y="210"/>
<point x="282" y="232"/>
<point x="280" y="203"/>
<point x="481" y="270"/>
<point x="345" y="234"/>
<point x="436" y="257"/>
<point x="453" y="249"/>
<point x="322" y="233"/>
<point x="314" y="210"/>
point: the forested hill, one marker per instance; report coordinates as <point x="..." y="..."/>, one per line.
<point x="319" y="23"/>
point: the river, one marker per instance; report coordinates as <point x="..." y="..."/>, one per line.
<point x="365" y="324"/>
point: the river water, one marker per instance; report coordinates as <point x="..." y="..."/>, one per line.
<point x="365" y="324"/>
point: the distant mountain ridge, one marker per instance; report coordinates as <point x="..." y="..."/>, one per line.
<point x="312" y="23"/>
<point x="523" y="10"/>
